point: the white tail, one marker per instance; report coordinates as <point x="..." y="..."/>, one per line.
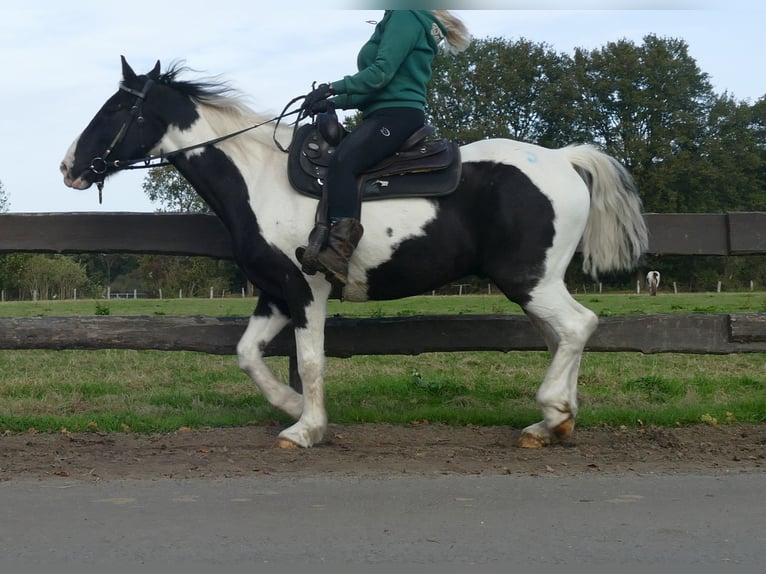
<point x="615" y="236"/>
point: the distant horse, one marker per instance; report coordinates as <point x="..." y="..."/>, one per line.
<point x="653" y="282"/>
<point x="516" y="218"/>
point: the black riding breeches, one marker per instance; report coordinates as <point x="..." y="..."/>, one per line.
<point x="378" y="136"/>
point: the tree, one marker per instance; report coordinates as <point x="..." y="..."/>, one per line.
<point x="497" y="88"/>
<point x="727" y="166"/>
<point x="4" y="201"/>
<point x="192" y="275"/>
<point x="174" y="194"/>
<point x="758" y="127"/>
<point x="51" y="276"/>
<point x="646" y="105"/>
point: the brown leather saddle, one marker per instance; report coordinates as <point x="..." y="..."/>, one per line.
<point x="420" y="168"/>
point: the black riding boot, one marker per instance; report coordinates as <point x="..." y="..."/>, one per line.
<point x="344" y="236"/>
<point x="308" y="254"/>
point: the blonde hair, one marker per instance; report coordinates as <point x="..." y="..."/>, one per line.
<point x="458" y="38"/>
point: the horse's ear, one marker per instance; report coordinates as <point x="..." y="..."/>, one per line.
<point x="127" y="72"/>
<point x="155" y="73"/>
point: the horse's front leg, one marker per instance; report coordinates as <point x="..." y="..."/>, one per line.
<point x="265" y="324"/>
<point x="309" y="342"/>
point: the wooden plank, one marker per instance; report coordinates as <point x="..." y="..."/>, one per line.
<point x="389" y="336"/>
<point x="204" y="234"/>
<point x="747" y="232"/>
<point x="165" y="233"/>
<point x="748" y="327"/>
<point x="671" y="333"/>
<point x="414" y="335"/>
<point x="688" y="233"/>
<point x="215" y="335"/>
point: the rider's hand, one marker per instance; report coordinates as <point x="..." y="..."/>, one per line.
<point x="319" y="94"/>
<point x="322" y="107"/>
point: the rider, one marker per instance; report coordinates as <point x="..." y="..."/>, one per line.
<point x="390" y="91"/>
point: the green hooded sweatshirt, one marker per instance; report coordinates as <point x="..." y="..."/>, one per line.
<point x="394" y="65"/>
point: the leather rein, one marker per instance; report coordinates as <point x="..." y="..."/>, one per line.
<point x="100" y="164"/>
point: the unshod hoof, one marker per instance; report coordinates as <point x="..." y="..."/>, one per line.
<point x="527" y="440"/>
<point x="283" y="442"/>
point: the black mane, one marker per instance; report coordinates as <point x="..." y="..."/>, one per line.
<point x="206" y="90"/>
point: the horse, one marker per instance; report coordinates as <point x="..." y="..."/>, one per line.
<point x="653" y="282"/>
<point x="516" y="218"/>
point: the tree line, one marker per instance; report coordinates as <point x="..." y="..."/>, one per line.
<point x="649" y="105"/>
<point x="689" y="149"/>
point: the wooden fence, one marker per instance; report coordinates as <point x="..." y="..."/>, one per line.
<point x="196" y="234"/>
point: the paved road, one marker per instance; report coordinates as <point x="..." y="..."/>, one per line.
<point x="449" y="520"/>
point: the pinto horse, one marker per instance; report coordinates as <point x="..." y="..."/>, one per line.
<point x="653" y="281"/>
<point x="516" y="218"/>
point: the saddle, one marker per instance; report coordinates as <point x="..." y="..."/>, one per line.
<point x="419" y="169"/>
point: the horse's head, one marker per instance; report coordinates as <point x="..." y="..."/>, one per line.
<point x="125" y="128"/>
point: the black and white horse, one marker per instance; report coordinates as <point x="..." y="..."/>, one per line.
<point x="517" y="217"/>
<point x="653" y="282"/>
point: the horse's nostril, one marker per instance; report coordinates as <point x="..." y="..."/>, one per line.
<point x="63" y="168"/>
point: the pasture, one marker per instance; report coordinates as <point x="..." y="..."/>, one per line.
<point x="155" y="391"/>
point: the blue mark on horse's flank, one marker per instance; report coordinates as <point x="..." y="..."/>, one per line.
<point x="531" y="157"/>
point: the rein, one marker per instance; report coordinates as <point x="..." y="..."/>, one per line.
<point x="100" y="164"/>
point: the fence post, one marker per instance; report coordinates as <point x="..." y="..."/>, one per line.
<point x="718" y="288"/>
<point x="211" y="293"/>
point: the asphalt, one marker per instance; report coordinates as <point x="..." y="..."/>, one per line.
<point x="710" y="521"/>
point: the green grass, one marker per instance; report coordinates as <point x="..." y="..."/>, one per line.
<point x="154" y="391"/>
<point x="611" y="304"/>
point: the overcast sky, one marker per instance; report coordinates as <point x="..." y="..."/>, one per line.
<point x="60" y="61"/>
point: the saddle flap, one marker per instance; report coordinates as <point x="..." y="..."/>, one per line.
<point x="428" y="156"/>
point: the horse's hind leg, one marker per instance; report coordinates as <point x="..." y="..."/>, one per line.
<point x="566" y="327"/>
<point x="265" y="324"/>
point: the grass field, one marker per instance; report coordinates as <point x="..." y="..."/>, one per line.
<point x="152" y="391"/>
<point x="613" y="304"/>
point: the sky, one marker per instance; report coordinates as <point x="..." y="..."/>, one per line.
<point x="61" y="60"/>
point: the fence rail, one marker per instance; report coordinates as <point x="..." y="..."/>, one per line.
<point x="737" y="233"/>
<point x="199" y="234"/>
<point x="345" y="337"/>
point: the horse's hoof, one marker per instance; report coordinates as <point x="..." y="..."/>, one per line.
<point x="527" y="440"/>
<point x="283" y="442"/>
<point x="564" y="430"/>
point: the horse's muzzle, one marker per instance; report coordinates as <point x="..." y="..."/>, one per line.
<point x="76" y="182"/>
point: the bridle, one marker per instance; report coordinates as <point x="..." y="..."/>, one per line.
<point x="99" y="165"/>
